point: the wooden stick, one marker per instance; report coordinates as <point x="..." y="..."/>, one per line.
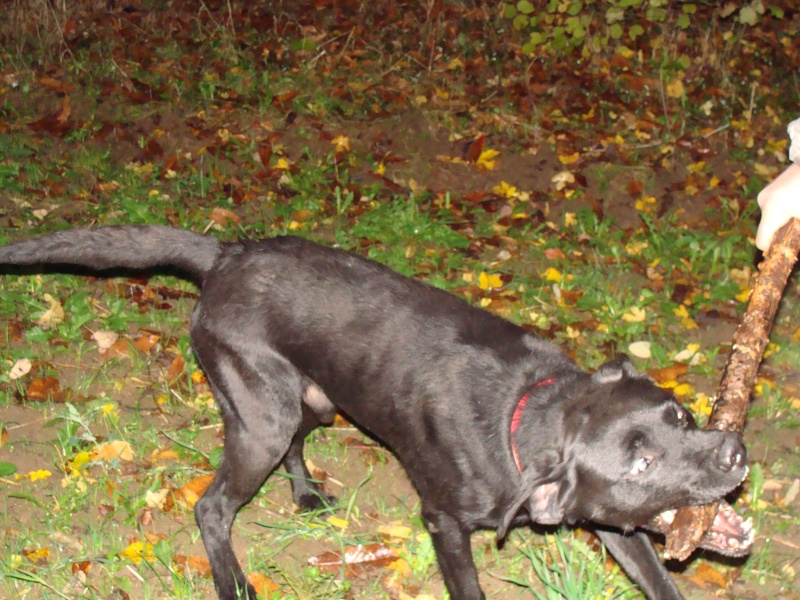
<point x="733" y="394"/>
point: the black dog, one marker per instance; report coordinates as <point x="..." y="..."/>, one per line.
<point x="494" y="426"/>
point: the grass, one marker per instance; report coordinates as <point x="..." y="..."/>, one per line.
<point x="213" y="94"/>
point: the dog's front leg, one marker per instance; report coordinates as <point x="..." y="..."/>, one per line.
<point x="636" y="555"/>
<point x="454" y="554"/>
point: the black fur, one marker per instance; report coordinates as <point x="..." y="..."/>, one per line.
<point x="285" y="329"/>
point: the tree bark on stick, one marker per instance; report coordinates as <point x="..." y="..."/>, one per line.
<point x="733" y="394"/>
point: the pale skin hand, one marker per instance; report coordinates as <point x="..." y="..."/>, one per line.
<point x="779" y="202"/>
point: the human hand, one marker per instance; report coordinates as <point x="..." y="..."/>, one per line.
<point x="779" y="202"/>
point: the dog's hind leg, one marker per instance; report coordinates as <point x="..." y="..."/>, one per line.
<point x="306" y="493"/>
<point x="259" y="402"/>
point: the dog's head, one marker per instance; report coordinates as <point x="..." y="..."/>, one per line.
<point x="629" y="453"/>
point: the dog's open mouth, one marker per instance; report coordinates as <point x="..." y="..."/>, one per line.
<point x="730" y="534"/>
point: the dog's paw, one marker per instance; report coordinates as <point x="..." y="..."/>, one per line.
<point x="315" y="501"/>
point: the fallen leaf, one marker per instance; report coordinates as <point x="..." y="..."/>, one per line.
<point x="197" y="564"/>
<point x="708" y="575"/>
<point x="113" y="450"/>
<point x="224" y="217"/>
<point x="640" y="349"/>
<point x="635" y="315"/>
<point x="146" y="340"/>
<point x="45" y="388"/>
<point x="487" y="159"/>
<point x="138" y="551"/>
<point x="671" y="372"/>
<point x="157" y="499"/>
<point x="263" y="584"/>
<point x="355" y="559"/>
<point x="486" y="282"/>
<point x="105" y="340"/>
<point x="189" y="493"/>
<point x="20" y="368"/>
<point x="53" y="315"/>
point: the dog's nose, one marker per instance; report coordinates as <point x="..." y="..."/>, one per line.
<point x="731" y="453"/>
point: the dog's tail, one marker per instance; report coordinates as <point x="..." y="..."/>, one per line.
<point x="125" y="247"/>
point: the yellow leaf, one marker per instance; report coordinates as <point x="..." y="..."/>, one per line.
<point x="455" y="63"/>
<point x="282" y="164"/>
<point x="39" y="475"/>
<point x="744" y="295"/>
<point x="552" y="274"/>
<point x="137" y="551"/>
<point x="635" y="315"/>
<point x="635" y="248"/>
<point x="645" y="204"/>
<point x="338" y="523"/>
<point x="569" y="159"/>
<point x="486" y="159"/>
<point x="80" y="460"/>
<point x="675" y="88"/>
<point x="570" y="219"/>
<point x="683" y="389"/>
<point x="468" y="277"/>
<point x="485" y="302"/>
<point x="771" y="348"/>
<point x="395" y="530"/>
<point x="380" y="169"/>
<point x="680" y="311"/>
<point x="342" y="143"/>
<point x="701" y="405"/>
<point x="689" y="323"/>
<point x="486" y="282"/>
<point x="115" y="449"/>
<point x="504" y="189"/>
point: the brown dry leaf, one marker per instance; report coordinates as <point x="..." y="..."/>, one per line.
<point x="176" y="368"/>
<point x="3" y="436"/>
<point x="145" y="341"/>
<point x="119" y="349"/>
<point x="196" y="564"/>
<point x="82" y="567"/>
<point x="53" y="315"/>
<point x="57" y="123"/>
<point x="191" y="492"/>
<point x="167" y="454"/>
<point x="45" y="388"/>
<point x="707" y="575"/>
<point x="224" y="217"/>
<point x="355" y="560"/>
<point x="554" y="253"/>
<point x="113" y="450"/>
<point x="263" y="584"/>
<point x="59" y="86"/>
<point x="670" y="373"/>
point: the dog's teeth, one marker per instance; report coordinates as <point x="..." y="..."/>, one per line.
<point x="668" y="516"/>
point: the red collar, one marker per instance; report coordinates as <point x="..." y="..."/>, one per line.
<point x="517" y="417"/>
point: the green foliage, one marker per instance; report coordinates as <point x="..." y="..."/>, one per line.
<point x="593" y="25"/>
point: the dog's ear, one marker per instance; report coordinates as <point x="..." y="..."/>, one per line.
<point x="616" y="369"/>
<point x="545" y="506"/>
<point x="546" y="498"/>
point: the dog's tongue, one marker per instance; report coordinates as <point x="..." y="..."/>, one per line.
<point x="729" y="534"/>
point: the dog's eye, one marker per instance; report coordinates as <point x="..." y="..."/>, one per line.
<point x="641" y="464"/>
<point x="683" y="416"/>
